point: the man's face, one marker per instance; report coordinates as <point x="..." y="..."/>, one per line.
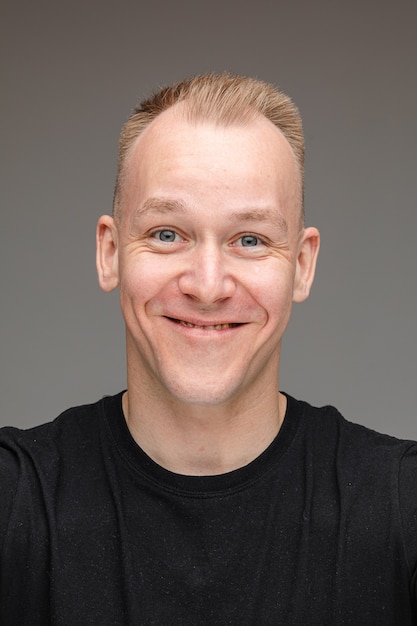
<point x="209" y="256"/>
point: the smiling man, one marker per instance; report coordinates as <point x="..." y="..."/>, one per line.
<point x="202" y="494"/>
<point x="209" y="251"/>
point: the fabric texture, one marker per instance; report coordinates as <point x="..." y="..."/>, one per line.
<point x="320" y="529"/>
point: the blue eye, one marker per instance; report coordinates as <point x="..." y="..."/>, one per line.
<point x="249" y="241"/>
<point x="166" y="235"/>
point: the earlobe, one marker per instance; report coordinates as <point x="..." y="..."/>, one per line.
<point x="107" y="253"/>
<point x="306" y="263"/>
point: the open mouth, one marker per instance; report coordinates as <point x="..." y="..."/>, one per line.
<point x="208" y="327"/>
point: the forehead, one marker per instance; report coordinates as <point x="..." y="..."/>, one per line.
<point x="171" y="126"/>
<point x="204" y="157"/>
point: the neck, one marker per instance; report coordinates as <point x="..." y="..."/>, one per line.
<point x="204" y="439"/>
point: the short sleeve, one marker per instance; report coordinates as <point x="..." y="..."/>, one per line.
<point x="408" y="509"/>
<point x="9" y="476"/>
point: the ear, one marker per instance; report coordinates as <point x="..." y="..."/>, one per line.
<point x="107" y="259"/>
<point x="308" y="250"/>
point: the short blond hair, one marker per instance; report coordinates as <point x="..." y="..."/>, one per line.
<point x="220" y="98"/>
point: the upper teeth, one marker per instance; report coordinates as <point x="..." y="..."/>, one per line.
<point x="211" y="327"/>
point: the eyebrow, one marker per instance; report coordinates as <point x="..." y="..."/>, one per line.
<point x="164" y="206"/>
<point x="261" y="215"/>
<point x="161" y="206"/>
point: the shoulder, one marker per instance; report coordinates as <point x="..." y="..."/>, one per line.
<point x="374" y="474"/>
<point x="16" y="443"/>
<point x="361" y="460"/>
<point x="32" y="460"/>
<point x="72" y="426"/>
<point x="329" y="430"/>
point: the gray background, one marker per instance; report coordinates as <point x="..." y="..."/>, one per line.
<point x="72" y="71"/>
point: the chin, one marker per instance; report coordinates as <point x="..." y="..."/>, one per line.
<point x="203" y="393"/>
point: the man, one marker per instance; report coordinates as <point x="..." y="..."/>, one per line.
<point x="203" y="495"/>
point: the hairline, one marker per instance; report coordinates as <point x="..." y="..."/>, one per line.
<point x="248" y="115"/>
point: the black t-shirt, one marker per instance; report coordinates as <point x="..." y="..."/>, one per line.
<point x="320" y="529"/>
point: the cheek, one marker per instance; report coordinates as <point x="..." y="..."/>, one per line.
<point x="145" y="278"/>
<point x="272" y="289"/>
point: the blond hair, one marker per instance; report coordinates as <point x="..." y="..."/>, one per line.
<point x="223" y="99"/>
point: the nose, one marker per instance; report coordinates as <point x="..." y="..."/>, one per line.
<point x="206" y="278"/>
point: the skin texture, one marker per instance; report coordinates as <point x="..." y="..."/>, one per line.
<point x="209" y="256"/>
